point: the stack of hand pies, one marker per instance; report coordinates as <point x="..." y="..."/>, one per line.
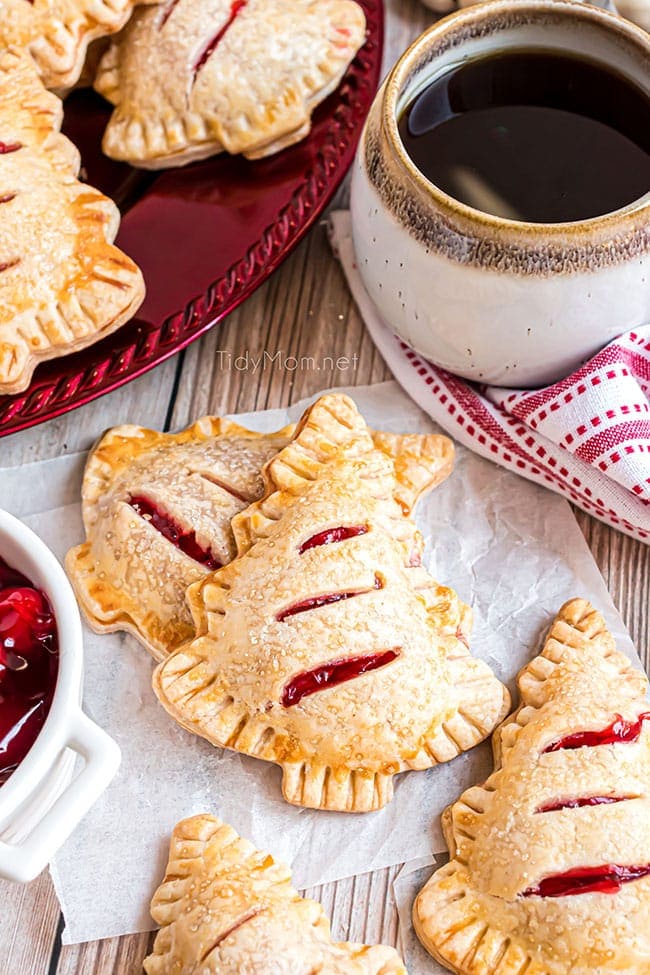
<point x="188" y="79"/>
<point x="278" y="580"/>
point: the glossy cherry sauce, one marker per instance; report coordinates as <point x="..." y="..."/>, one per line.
<point x="315" y="602"/>
<point x="619" y="731"/>
<point x="331" y="535"/>
<point x="236" y="8"/>
<point x="333" y="673"/>
<point x="173" y="532"/>
<point x="579" y="802"/>
<point x="29" y="663"/>
<point x="605" y="879"/>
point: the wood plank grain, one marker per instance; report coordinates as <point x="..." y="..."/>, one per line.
<point x="299" y="333"/>
<point x="625" y="565"/>
<point x="361" y="908"/>
<point x="28" y="922"/>
<point x="113" y="956"/>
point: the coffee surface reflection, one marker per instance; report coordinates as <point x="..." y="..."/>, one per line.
<point x="542" y="137"/>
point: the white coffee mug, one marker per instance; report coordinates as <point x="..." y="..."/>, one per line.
<point x="492" y="299"/>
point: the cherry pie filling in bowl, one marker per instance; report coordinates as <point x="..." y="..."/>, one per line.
<point x="29" y="665"/>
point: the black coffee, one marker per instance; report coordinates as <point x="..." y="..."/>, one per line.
<point x="533" y="135"/>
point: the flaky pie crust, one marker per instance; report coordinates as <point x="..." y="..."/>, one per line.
<point x="225" y="908"/>
<point x="126" y="575"/>
<point x="57" y="32"/>
<point x="63" y="285"/>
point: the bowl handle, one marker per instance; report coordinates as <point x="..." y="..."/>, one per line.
<point x="23" y="861"/>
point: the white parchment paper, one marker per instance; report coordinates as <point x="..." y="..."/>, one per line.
<point x="510" y="548"/>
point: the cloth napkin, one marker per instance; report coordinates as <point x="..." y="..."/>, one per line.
<point x="586" y="437"/>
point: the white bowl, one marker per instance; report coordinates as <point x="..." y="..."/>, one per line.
<point x="41" y="804"/>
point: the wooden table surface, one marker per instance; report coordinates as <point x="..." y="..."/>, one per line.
<point x="304" y="310"/>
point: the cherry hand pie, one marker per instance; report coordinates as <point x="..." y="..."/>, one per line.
<point x="190" y="78"/>
<point x="57" y="32"/>
<point x="550" y="868"/>
<point x="325" y="646"/>
<point x="157" y="510"/>
<point x="227" y="909"/>
<point x="62" y="283"/>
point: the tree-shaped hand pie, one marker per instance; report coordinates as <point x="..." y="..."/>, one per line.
<point x="227" y="909"/>
<point x="550" y="858"/>
<point x="157" y="510"/>
<point x="57" y="32"/>
<point x="326" y="647"/>
<point x="190" y="78"/>
<point x="63" y="285"/>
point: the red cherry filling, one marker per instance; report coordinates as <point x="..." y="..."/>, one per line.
<point x="183" y="540"/>
<point x="344" y="32"/>
<point x="9" y="264"/>
<point x="28" y="666"/>
<point x="460" y="635"/>
<point x="6" y="147"/>
<point x="331" y="535"/>
<point x="579" y="802"/>
<point x="167" y="12"/>
<point x="250" y="916"/>
<point x="605" y="879"/>
<point x="11" y="577"/>
<point x="236" y="7"/>
<point x="315" y="602"/>
<point x="20" y="722"/>
<point x="333" y="673"/>
<point x="7" y="198"/>
<point x="25" y="620"/>
<point x="619" y="731"/>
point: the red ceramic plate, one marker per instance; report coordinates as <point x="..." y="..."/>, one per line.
<point x="206" y="236"/>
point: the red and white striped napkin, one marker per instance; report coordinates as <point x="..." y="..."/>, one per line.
<point x="586" y="437"/>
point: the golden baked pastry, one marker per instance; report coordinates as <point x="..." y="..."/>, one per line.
<point x="326" y="647"/>
<point x="57" y="32"/>
<point x="190" y="78"/>
<point x="226" y="909"/>
<point x="63" y="285"/>
<point x="157" y="511"/>
<point x="550" y="858"/>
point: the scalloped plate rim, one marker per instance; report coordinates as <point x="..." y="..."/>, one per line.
<point x="16" y="413"/>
